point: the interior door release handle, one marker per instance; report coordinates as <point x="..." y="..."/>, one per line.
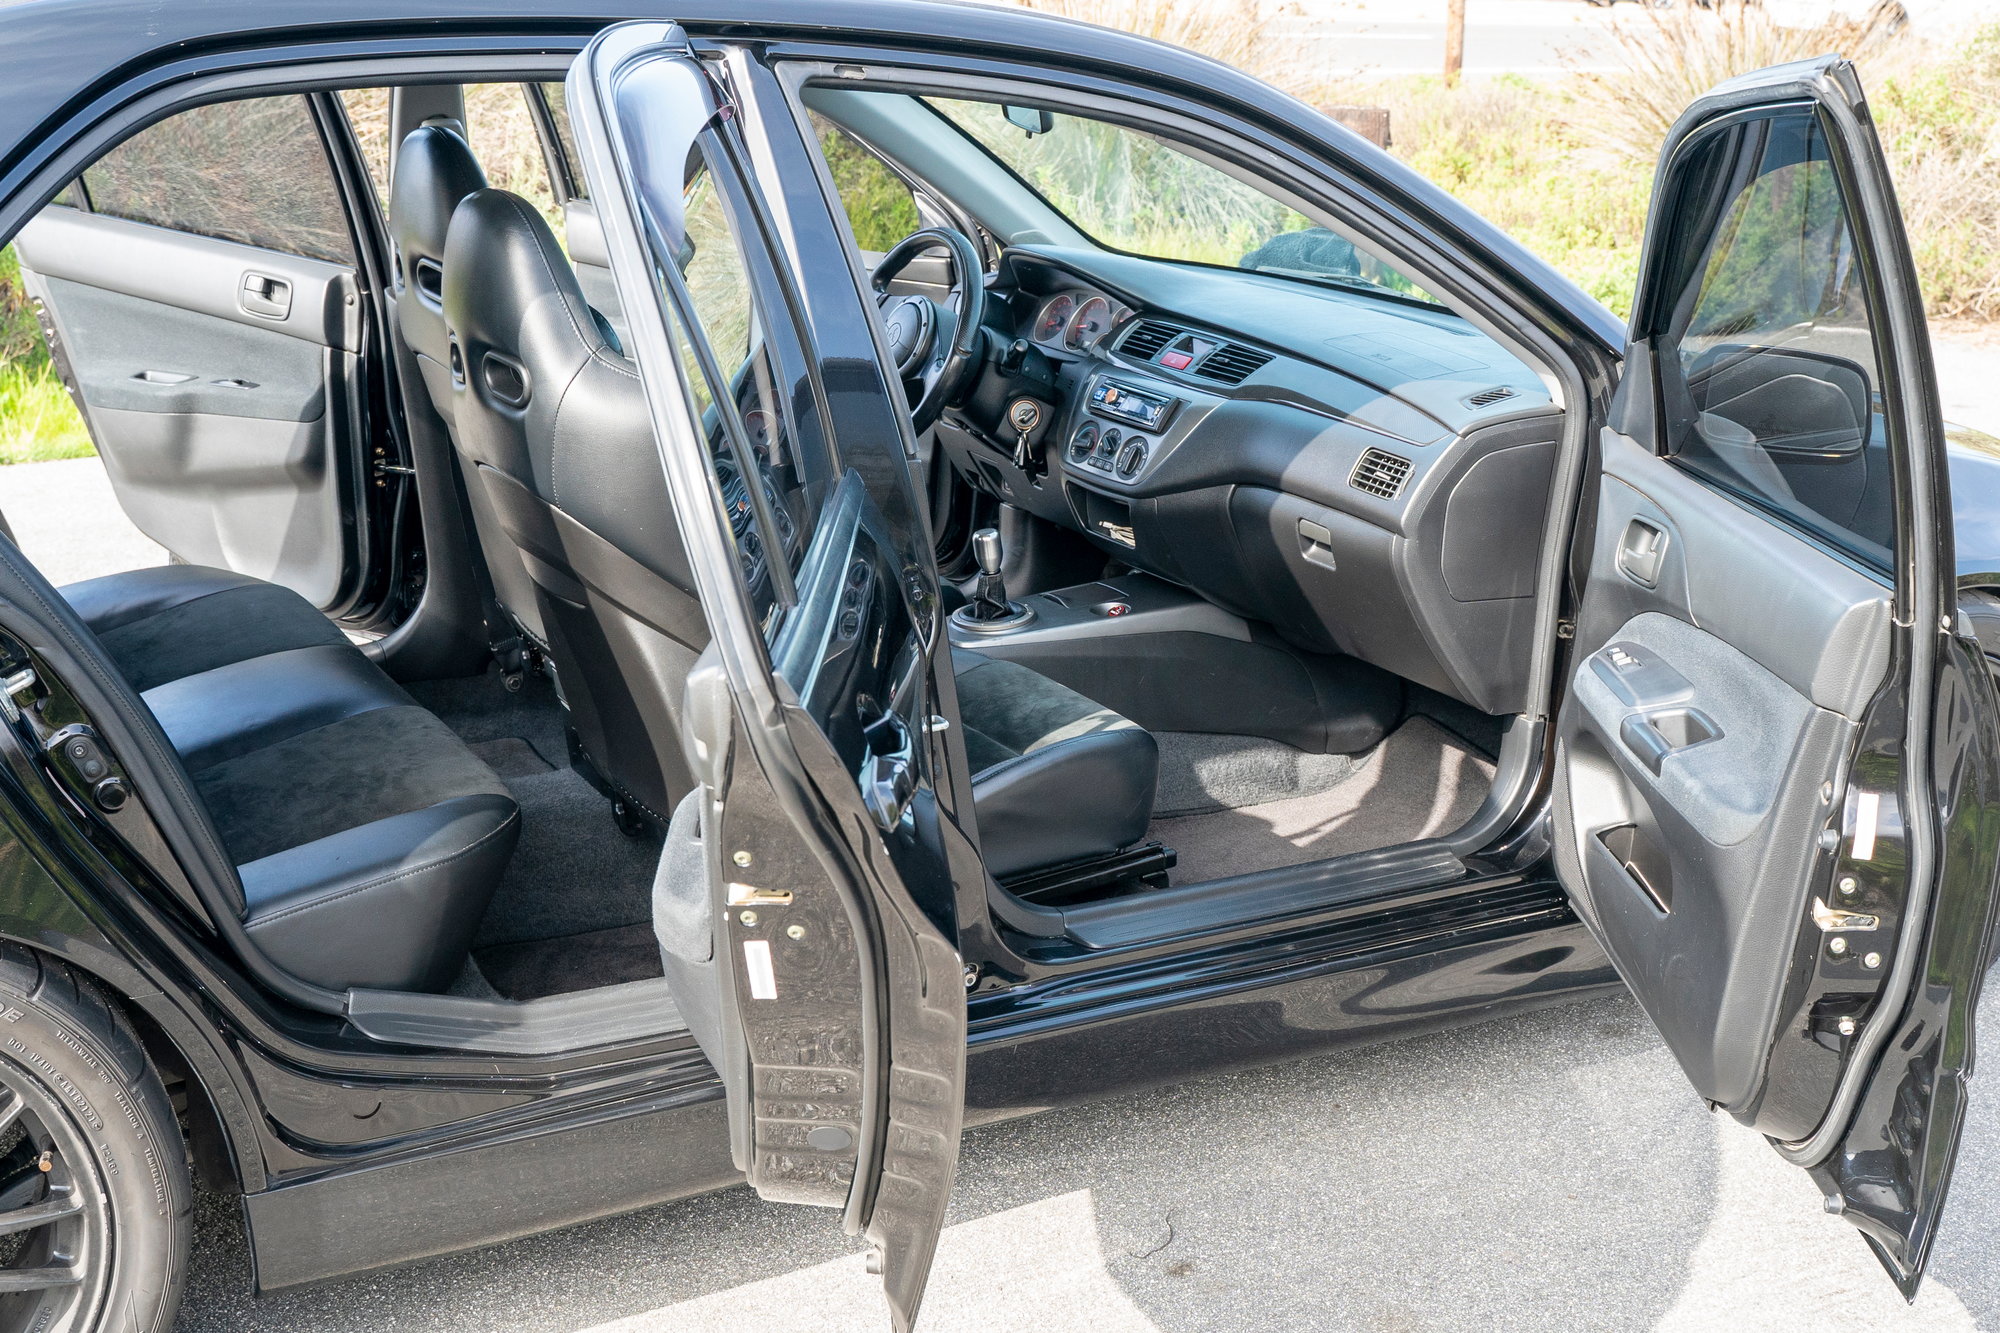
<point x="261" y="294"/>
<point x="1641" y="552"/>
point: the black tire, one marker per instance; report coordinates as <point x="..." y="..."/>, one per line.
<point x="92" y="1125"/>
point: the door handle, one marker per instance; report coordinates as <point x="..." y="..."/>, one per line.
<point x="889" y="773"/>
<point x="264" y="295"/>
<point x="1642" y="551"/>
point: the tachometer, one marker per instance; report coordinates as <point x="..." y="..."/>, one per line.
<point x="1091" y="321"/>
<point x="1049" y="325"/>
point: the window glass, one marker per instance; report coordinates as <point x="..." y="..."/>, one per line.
<point x="368" y="113"/>
<point x="1130" y="191"/>
<point x="253" y="171"/>
<point x="500" y="127"/>
<point x="880" y="208"/>
<point x="1770" y="363"/>
<point x="558" y="104"/>
<point x="713" y="268"/>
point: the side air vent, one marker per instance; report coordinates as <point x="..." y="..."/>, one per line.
<point x="1230" y="364"/>
<point x="1146" y="339"/>
<point x="1488" y="397"/>
<point x="1380" y="473"/>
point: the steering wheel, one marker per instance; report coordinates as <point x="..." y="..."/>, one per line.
<point x="933" y="345"/>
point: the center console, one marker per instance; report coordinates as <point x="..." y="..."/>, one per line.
<point x="1125" y="424"/>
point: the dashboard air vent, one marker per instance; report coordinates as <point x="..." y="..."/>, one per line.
<point x="1488" y="397"/>
<point x="1230" y="364"/>
<point x="1146" y="339"/>
<point x="1380" y="473"/>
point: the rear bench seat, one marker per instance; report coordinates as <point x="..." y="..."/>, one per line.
<point x="367" y="836"/>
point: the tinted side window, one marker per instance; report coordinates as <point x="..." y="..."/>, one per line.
<point x="368" y="116"/>
<point x="1768" y="359"/>
<point x="253" y="171"/>
<point x="749" y="405"/>
<point x="557" y="101"/>
<point x="879" y="206"/>
<point x="500" y="127"/>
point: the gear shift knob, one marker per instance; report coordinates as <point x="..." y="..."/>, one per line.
<point x="986" y="550"/>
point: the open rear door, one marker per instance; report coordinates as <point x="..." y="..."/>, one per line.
<point x="1776" y="783"/>
<point x="198" y="289"/>
<point x="807" y="926"/>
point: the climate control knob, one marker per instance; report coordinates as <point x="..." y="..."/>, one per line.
<point x="1083" y="442"/>
<point x="1134" y="458"/>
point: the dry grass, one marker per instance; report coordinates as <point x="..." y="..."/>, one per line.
<point x="1668" y="57"/>
<point x="1232" y="31"/>
<point x="1566" y="166"/>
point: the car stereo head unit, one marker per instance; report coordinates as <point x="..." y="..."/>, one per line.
<point x="1140" y="407"/>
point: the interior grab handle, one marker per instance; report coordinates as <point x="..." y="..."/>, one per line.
<point x="889" y="773"/>
<point x="1653" y="736"/>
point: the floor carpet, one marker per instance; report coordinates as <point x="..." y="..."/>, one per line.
<point x="1421" y="782"/>
<point x="575" y="907"/>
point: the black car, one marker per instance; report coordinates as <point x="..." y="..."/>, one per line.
<point x="994" y="562"/>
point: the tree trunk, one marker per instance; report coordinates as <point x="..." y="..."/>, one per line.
<point x="1454" y="41"/>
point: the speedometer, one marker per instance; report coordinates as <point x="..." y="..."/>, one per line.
<point x="1091" y="321"/>
<point x="1049" y="325"/>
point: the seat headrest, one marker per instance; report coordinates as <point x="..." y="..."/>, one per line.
<point x="501" y="263"/>
<point x="434" y="171"/>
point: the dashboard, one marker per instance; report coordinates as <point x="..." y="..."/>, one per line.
<point x="1365" y="474"/>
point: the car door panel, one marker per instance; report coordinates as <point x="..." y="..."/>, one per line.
<point x="811" y="959"/>
<point x="216" y="379"/>
<point x="1707" y="714"/>
<point x="1775" y="760"/>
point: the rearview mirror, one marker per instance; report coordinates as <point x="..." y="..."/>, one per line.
<point x="1031" y="119"/>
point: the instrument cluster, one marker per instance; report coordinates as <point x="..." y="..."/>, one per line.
<point x="1077" y="321"/>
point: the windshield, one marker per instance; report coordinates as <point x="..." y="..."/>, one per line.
<point x="1129" y="191"/>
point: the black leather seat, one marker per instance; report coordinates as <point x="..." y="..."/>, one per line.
<point x="554" y="424"/>
<point x="367" y="837"/>
<point x="1056" y="776"/>
<point x="172" y="621"/>
<point x="435" y="170"/>
<point x="556" y="421"/>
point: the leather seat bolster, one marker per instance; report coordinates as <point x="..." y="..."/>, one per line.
<point x="159" y="625"/>
<point x="217" y="715"/>
<point x="390" y="904"/>
<point x="1056" y="776"/>
<point x="1084" y="797"/>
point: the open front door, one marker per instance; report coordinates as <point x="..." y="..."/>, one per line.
<point x="804" y="906"/>
<point x="1776" y="783"/>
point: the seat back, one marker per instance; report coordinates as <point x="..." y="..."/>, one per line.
<point x="434" y="172"/>
<point x="552" y="418"/>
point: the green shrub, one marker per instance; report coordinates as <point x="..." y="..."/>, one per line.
<point x="37" y="419"/>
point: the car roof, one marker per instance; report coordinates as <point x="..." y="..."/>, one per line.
<point x="64" y="55"/>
